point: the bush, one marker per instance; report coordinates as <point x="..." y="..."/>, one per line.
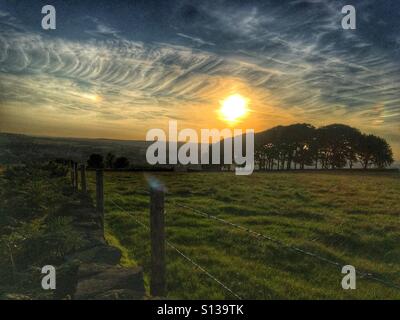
<point x="121" y="163"/>
<point x="95" y="161"/>
<point x="56" y="170"/>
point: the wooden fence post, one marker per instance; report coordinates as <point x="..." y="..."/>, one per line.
<point x="76" y="176"/>
<point x="72" y="173"/>
<point x="157" y="233"/>
<point x="100" y="195"/>
<point x="83" y="178"/>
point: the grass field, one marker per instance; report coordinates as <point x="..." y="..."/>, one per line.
<point x="352" y="218"/>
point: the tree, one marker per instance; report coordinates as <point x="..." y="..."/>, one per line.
<point x="333" y="146"/>
<point x="338" y="145"/>
<point x="374" y="150"/>
<point x="383" y="155"/>
<point x="95" y="161"/>
<point x="121" y="163"/>
<point x="267" y="145"/>
<point x="298" y="138"/>
<point x="287" y="145"/>
<point x="110" y="160"/>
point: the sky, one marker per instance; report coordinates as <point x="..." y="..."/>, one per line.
<point x="115" y="69"/>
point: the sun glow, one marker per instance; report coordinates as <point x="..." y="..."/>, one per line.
<point x="91" y="97"/>
<point x="233" y="108"/>
<point x="95" y="98"/>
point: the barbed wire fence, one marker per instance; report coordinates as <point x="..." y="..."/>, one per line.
<point x="259" y="236"/>
<point x="363" y="274"/>
<point x="169" y="244"/>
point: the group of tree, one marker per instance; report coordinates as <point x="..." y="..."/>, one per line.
<point x="111" y="161"/>
<point x="334" y="146"/>
<point x="300" y="146"/>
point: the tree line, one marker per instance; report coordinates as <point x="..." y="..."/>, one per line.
<point x="334" y="146"/>
<point x="298" y="146"/>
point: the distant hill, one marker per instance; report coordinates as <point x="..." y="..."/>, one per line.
<point x="19" y="148"/>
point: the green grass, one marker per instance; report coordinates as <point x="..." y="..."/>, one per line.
<point x="352" y="218"/>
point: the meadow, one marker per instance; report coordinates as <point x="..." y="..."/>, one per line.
<point x="348" y="217"/>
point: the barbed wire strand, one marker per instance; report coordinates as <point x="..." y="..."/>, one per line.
<point x="184" y="256"/>
<point x="204" y="270"/>
<point x="363" y="274"/>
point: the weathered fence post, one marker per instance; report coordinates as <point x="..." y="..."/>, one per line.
<point x="83" y="178"/>
<point x="72" y="173"/>
<point x="157" y="233"/>
<point x="76" y="176"/>
<point x="100" y="195"/>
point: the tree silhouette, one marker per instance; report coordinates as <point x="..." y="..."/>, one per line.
<point x="374" y="150"/>
<point x="95" y="161"/>
<point x="121" y="163"/>
<point x="333" y="146"/>
<point x="338" y="143"/>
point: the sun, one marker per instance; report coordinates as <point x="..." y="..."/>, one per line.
<point x="233" y="108"/>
